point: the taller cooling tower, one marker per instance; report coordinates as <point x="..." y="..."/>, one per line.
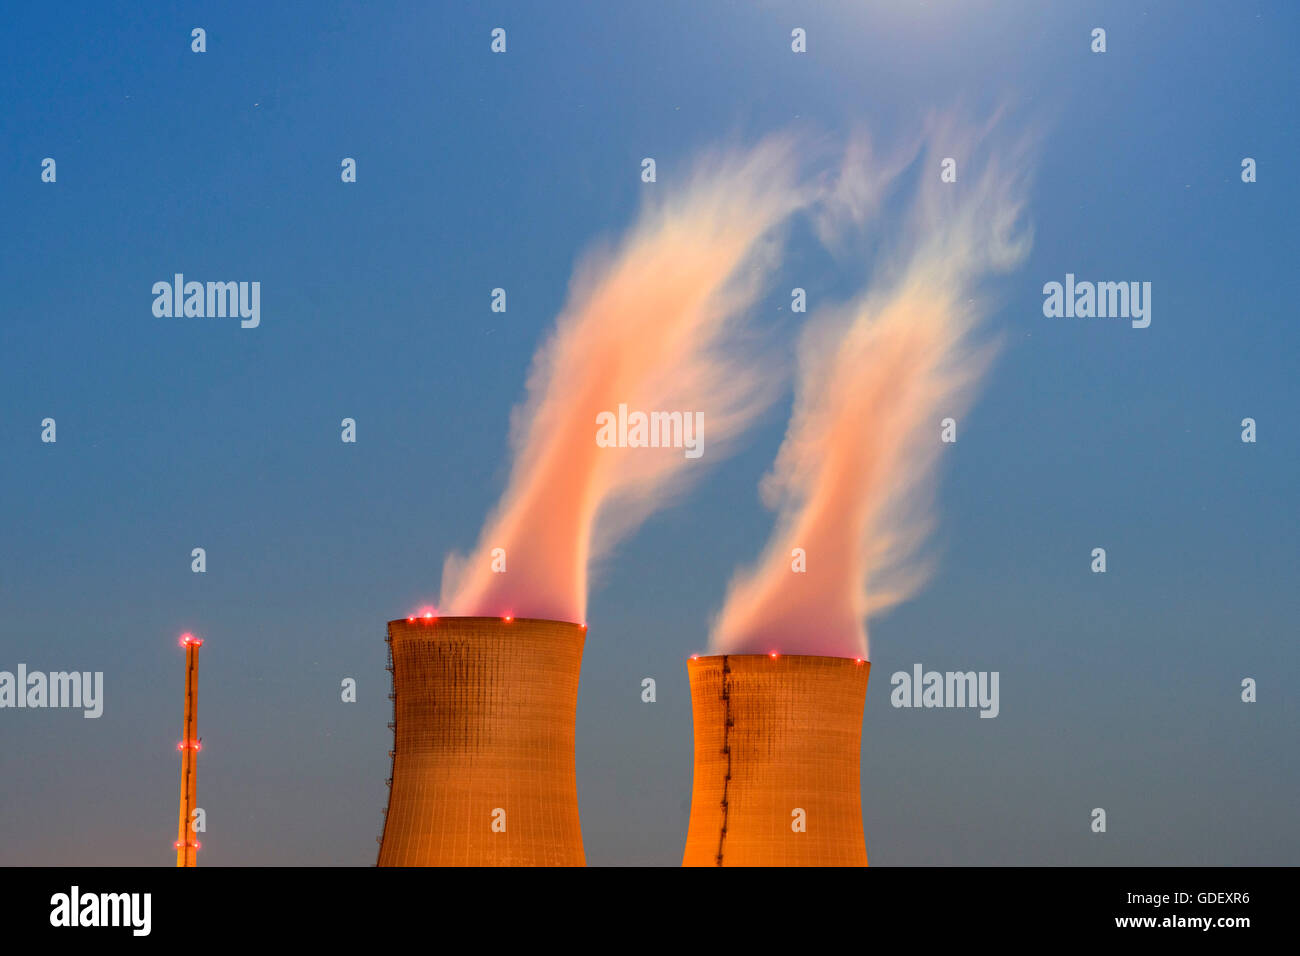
<point x="483" y="715"/>
<point x="777" y="743"/>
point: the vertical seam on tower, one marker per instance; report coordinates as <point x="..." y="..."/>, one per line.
<point x="392" y="724"/>
<point x="726" y="749"/>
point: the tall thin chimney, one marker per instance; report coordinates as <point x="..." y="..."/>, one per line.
<point x="187" y="843"/>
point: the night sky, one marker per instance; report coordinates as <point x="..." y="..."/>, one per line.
<point x="475" y="171"/>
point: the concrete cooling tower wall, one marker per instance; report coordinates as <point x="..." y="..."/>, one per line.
<point x="483" y="718"/>
<point x="777" y="744"/>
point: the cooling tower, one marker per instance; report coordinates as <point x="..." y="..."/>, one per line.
<point x="483" y="711"/>
<point x="777" y="742"/>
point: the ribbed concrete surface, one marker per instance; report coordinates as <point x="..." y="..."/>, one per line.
<point x="484" y="713"/>
<point x="773" y="735"/>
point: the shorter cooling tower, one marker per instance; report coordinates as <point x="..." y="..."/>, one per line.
<point x="483" y="715"/>
<point x="777" y="743"/>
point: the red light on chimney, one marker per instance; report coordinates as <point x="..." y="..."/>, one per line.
<point x="410" y="620"/>
<point x="507" y="619"/>
<point x="773" y="654"/>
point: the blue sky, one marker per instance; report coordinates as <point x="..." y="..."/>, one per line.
<point x="475" y="171"/>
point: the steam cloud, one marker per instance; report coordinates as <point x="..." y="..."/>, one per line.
<point x="655" y="324"/>
<point x="852" y="482"/>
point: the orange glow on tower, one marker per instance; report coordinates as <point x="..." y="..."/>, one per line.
<point x="187" y="844"/>
<point x="778" y="739"/>
<point x="483" y="731"/>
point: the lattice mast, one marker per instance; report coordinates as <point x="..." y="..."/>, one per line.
<point x="187" y="844"/>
